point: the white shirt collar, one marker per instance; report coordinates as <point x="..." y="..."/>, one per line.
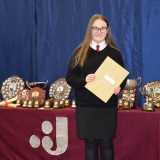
<point x="102" y="45"/>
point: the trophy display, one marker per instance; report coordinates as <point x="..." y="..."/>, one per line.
<point x="60" y="91"/>
<point x="30" y="104"/>
<point x="124" y="104"/>
<point x="19" y="102"/>
<point x="25" y="103"/>
<point x="120" y="103"/>
<point x="48" y="103"/>
<point x="36" y="104"/>
<point x="61" y="104"/>
<point x="151" y="91"/>
<point x="67" y="103"/>
<point x="0" y="95"/>
<point x="35" y="94"/>
<point x="56" y="104"/>
<point x="41" y="85"/>
<point x="12" y="86"/>
<point x="73" y="105"/>
<point x="148" y="106"/>
<point x="129" y="94"/>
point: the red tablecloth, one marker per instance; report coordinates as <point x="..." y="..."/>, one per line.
<point x="137" y="135"/>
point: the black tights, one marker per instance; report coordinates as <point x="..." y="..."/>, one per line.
<point x="105" y="146"/>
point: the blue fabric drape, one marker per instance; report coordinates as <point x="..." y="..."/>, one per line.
<point x="38" y="37"/>
<point x="151" y="40"/>
<point x="17" y="39"/>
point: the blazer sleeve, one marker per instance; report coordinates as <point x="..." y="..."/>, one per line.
<point x="74" y="76"/>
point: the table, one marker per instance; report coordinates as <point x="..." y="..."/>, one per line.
<point x="138" y="135"/>
<point x="50" y="134"/>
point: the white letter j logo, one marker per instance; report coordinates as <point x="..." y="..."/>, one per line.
<point x="61" y="136"/>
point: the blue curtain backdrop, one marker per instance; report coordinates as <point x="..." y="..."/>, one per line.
<point x="37" y="37"/>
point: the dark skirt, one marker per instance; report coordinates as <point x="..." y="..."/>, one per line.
<point x="96" y="123"/>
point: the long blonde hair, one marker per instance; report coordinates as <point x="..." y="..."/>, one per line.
<point x="80" y="53"/>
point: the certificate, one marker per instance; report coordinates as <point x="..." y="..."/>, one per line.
<point x="108" y="76"/>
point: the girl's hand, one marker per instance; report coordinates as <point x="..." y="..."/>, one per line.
<point x="90" y="77"/>
<point x="117" y="90"/>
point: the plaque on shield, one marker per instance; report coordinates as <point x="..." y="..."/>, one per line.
<point x="37" y="93"/>
<point x="23" y="95"/>
<point x="60" y="90"/>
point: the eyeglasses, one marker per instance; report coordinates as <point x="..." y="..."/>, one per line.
<point x="96" y="29"/>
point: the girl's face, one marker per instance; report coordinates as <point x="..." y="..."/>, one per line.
<point x="99" y="30"/>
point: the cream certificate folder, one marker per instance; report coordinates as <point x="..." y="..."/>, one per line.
<point x="108" y="76"/>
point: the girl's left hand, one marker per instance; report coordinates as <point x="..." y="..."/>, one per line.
<point x="117" y="90"/>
